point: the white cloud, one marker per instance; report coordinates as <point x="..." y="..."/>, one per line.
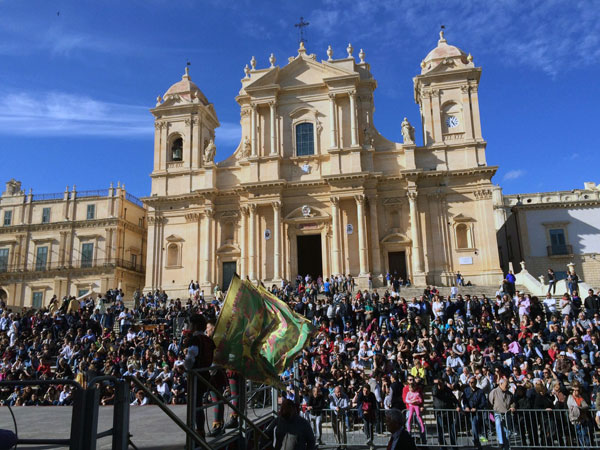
<point x="64" y="114"/>
<point x="514" y="174"/>
<point x="549" y="35"/>
<point x="228" y="134"/>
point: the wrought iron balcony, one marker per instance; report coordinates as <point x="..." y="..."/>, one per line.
<point x="77" y="265"/>
<point x="559" y="250"/>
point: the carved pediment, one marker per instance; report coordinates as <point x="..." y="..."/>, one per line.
<point x="174" y="238"/>
<point x="463" y="218"/>
<point x="307" y="212"/>
<point x="303" y="70"/>
<point x="395" y="238"/>
<point x="228" y="247"/>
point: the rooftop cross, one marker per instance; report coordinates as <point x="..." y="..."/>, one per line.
<point x="301" y="25"/>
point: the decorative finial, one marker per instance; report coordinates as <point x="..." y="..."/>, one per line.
<point x="301" y="49"/>
<point x="272" y="60"/>
<point x="329" y="53"/>
<point x="158" y="100"/>
<point x="253" y="63"/>
<point x="470" y="58"/>
<point x="349" y="49"/>
<point x="187" y="71"/>
<point x="361" y="56"/>
<point x="247" y="71"/>
<point x="442" y="39"/>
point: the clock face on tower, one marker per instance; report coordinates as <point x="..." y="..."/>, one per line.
<point x="451" y="121"/>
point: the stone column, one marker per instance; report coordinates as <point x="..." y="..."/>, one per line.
<point x="107" y="243"/>
<point x="362" y="238"/>
<point x="206" y="257"/>
<point x="243" y="242"/>
<point x="189" y="159"/>
<point x="332" y="121"/>
<point x="476" y="116"/>
<point x="253" y="130"/>
<point x="252" y="244"/>
<point x="376" y="261"/>
<point x="273" y="131"/>
<point x="353" y="135"/>
<point x="468" y="123"/>
<point x="415" y="234"/>
<point x="427" y="119"/>
<point x="276" y="240"/>
<point x="437" y="115"/>
<point x="335" y="230"/>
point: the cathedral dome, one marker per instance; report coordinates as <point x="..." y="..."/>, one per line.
<point x="186" y="89"/>
<point x="444" y="53"/>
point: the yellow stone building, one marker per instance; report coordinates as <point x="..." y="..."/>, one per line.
<point x="69" y="243"/>
<point x="313" y="188"/>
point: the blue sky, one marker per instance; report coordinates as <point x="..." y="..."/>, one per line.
<point x="79" y="76"/>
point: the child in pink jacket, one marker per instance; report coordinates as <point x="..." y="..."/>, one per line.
<point x="413" y="399"/>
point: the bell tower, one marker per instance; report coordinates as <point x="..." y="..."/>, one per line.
<point x="184" y="136"/>
<point x="446" y="92"/>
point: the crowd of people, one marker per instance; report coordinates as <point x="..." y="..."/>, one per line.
<point x="374" y="350"/>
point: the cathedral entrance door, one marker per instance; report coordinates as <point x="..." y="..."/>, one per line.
<point x="229" y="269"/>
<point x="309" y="255"/>
<point x="397" y="264"/>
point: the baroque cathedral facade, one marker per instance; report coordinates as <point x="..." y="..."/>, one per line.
<point x="314" y="188"/>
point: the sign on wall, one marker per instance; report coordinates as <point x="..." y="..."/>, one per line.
<point x="267" y="234"/>
<point x="349" y="228"/>
<point x="465" y="260"/>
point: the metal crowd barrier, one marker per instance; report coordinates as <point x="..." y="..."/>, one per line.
<point x="77" y="439"/>
<point x="453" y="429"/>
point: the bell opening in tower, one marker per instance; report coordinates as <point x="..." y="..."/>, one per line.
<point x="310" y="260"/>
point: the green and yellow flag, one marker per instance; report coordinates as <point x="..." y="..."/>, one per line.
<point x="257" y="334"/>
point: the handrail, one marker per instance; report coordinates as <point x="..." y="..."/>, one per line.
<point x="187" y="430"/>
<point x="76" y="438"/>
<point x="228" y="402"/>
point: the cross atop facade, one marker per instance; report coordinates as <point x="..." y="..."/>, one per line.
<point x="301" y="25"/>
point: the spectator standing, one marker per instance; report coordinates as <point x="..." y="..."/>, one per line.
<point x="400" y="438"/>
<point x="474" y="401"/>
<point x="444" y="401"/>
<point x="501" y="400"/>
<point x="338" y="403"/>
<point x="579" y="415"/>
<point x="551" y="281"/>
<point x="316" y="404"/>
<point x="292" y="431"/>
<point x="367" y="409"/>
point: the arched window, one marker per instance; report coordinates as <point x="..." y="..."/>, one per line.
<point x="305" y="139"/>
<point x="463" y="237"/>
<point x="172" y="255"/>
<point x="177" y="150"/>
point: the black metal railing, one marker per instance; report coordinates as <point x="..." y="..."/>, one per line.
<point x="133" y="199"/>
<point x="559" y="250"/>
<point x="52" y="196"/>
<point x="82" y="264"/>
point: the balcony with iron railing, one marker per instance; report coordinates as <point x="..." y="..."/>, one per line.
<point x="559" y="250"/>
<point x="77" y="265"/>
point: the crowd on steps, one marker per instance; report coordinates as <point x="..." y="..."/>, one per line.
<point x="374" y="350"/>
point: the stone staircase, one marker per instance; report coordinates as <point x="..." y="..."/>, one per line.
<point x="416" y="291"/>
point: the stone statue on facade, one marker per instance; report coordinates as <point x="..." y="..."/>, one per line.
<point x="408" y="132"/>
<point x="246" y="147"/>
<point x="369" y="139"/>
<point x="209" y="152"/>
